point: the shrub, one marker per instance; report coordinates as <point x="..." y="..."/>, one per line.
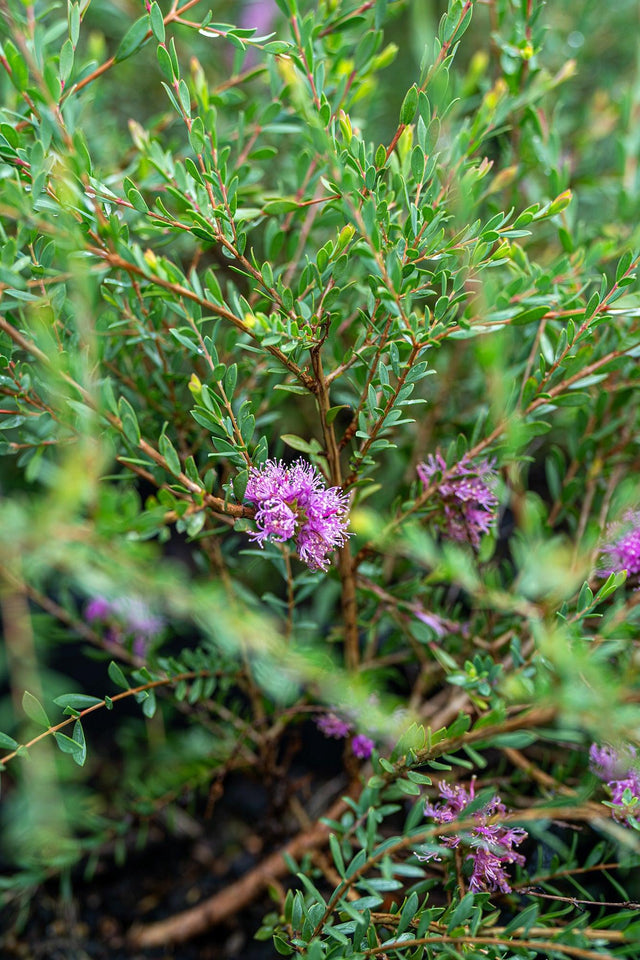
<point x="319" y="419"/>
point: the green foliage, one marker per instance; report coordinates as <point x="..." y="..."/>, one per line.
<point x="307" y="244"/>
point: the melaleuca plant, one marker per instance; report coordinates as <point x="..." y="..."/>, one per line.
<point x="318" y="348"/>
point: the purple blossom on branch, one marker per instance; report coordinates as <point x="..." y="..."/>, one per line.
<point x="468" y="501"/>
<point x="362" y="746"/>
<point x="97" y="609"/>
<point x="127" y="618"/>
<point x="334" y="726"/>
<point x="292" y="503"/>
<point x="623" y="550"/>
<point x="490" y="845"/>
<point x="616" y="769"/>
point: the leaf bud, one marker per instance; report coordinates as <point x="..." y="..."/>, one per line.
<point x="385" y="57"/>
<point x="345" y="126"/>
<point x="150" y="259"/>
<point x="560" y="203"/>
<point x="195" y="387"/>
<point x="344" y="238"/>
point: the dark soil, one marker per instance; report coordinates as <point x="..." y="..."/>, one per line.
<point x="191" y="852"/>
<point x="169" y="875"/>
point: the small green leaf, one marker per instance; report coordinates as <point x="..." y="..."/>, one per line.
<point x="136" y="200"/>
<point x="586" y="597"/>
<point x="34" y="709"/>
<point x="408" y="913"/>
<point x="272" y="207"/>
<point x="623" y="265"/>
<point x="592" y="306"/>
<point x="277" y="47"/>
<point x="168" y="451"/>
<point x="417" y="163"/>
<point x="75" y="745"/>
<point x="333" y="412"/>
<point x="461" y="912"/>
<point x="76" y="700"/>
<point x="213" y="286"/>
<point x="523" y="919"/>
<point x="74" y="23"/>
<point x="230" y="379"/>
<point x="282" y="947"/>
<point x="129" y="421"/>
<point x="560" y="203"/>
<point x="133" y="39"/>
<point x="292" y="388"/>
<point x="19" y="72"/>
<point x="118" y="676"/>
<point x="197" y="136"/>
<point x="408" y="788"/>
<point x="7" y="742"/>
<point x="530" y="316"/>
<point x="611" y="584"/>
<point x="78" y="735"/>
<point x="157" y="22"/>
<point x="150" y="704"/>
<point x="297" y="443"/>
<point x="164" y="62"/>
<point x="66" y="61"/>
<point x="336" y="853"/>
<point x="409" y="104"/>
<point x="66" y="744"/>
<point x="185" y="98"/>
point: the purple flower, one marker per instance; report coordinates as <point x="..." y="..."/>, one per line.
<point x="490" y="845"/>
<point x="333" y="726"/>
<point x="604" y="761"/>
<point x="127" y="618"/>
<point x="488" y="871"/>
<point x="468" y="504"/>
<point x="362" y="746"/>
<point x="615" y="768"/>
<point x="623" y="550"/>
<point x="292" y="503"/>
<point x="97" y="609"/>
<point x="455" y="799"/>
<point x="138" y="618"/>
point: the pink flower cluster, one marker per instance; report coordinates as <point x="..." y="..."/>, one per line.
<point x="292" y="503"/>
<point x="617" y="770"/>
<point x="623" y="550"/>
<point x="334" y="726"/>
<point x="490" y="845"/>
<point x="468" y="502"/>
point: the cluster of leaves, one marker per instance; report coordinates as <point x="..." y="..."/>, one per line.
<point x="286" y="253"/>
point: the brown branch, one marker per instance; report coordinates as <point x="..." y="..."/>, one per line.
<point x="552" y="945"/>
<point x="623" y="905"/>
<point x="345" y="559"/>
<point x="81" y="714"/>
<point x="592" y="933"/>
<point x="227" y="902"/>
